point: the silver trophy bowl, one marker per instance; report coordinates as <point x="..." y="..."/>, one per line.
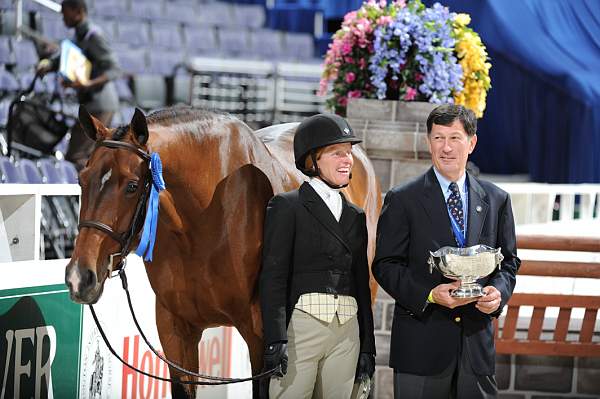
<point x="467" y="265"/>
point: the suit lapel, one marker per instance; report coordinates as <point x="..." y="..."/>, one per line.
<point x="317" y="207"/>
<point x="348" y="217"/>
<point x="478" y="208"/>
<point x="435" y="207"/>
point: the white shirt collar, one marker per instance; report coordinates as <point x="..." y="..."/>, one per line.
<point x="330" y="196"/>
<point x="445" y="183"/>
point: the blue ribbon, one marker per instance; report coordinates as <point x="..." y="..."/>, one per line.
<point x="146" y="245"/>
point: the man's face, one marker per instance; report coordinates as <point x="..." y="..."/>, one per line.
<point x="335" y="163"/>
<point x="71" y="16"/>
<point x="450" y="147"/>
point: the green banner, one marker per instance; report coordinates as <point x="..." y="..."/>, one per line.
<point x="40" y="336"/>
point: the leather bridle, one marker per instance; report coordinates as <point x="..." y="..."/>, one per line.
<point x="126" y="237"/>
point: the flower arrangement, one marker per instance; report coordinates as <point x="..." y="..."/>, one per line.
<point x="406" y="51"/>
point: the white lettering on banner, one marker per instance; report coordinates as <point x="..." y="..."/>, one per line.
<point x="141" y="385"/>
<point x="36" y="336"/>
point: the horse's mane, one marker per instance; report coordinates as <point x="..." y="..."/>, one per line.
<point x="176" y="115"/>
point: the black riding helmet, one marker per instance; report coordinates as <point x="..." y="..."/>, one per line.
<point x="319" y="131"/>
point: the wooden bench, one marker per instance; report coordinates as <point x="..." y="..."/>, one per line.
<point x="509" y="340"/>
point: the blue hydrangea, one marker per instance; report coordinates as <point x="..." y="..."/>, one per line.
<point x="428" y="35"/>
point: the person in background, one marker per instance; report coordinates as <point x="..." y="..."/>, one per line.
<point x="98" y="95"/>
<point x="314" y="282"/>
<point x="443" y="346"/>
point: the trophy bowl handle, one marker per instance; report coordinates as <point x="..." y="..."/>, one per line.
<point x="499" y="258"/>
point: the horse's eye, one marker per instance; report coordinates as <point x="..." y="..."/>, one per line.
<point x="132" y="186"/>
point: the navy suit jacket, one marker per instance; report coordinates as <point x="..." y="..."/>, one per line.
<point x="414" y="221"/>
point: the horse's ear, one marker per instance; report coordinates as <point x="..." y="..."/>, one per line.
<point x="92" y="127"/>
<point x="139" y="127"/>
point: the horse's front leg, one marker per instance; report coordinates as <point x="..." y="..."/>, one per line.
<point x="251" y="331"/>
<point x="180" y="345"/>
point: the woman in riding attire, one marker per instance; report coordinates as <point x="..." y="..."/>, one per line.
<point x="314" y="282"/>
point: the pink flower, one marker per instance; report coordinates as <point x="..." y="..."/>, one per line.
<point x="346" y="48"/>
<point x="343" y="101"/>
<point x="410" y="94"/>
<point x="418" y="76"/>
<point x="362" y="63"/>
<point x="354" y="94"/>
<point x="384" y="20"/>
<point x="350" y="77"/>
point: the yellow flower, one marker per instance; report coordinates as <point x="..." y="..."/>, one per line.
<point x="463" y="19"/>
<point x="473" y="58"/>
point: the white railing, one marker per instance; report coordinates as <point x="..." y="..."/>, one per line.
<point x="537" y="202"/>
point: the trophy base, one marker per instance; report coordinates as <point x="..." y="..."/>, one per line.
<point x="468" y="290"/>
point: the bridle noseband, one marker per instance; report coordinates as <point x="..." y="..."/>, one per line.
<point x="125" y="238"/>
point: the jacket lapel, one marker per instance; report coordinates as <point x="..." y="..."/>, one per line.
<point x="348" y="217"/>
<point x="317" y="207"/>
<point x="435" y="207"/>
<point x="478" y="208"/>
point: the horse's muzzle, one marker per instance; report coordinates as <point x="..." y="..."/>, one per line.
<point x="82" y="283"/>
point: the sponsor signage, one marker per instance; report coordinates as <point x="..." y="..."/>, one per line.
<point x="40" y="331"/>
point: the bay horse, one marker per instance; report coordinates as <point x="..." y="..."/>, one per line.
<point x="219" y="176"/>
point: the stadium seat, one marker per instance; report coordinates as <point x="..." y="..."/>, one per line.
<point x="150" y="91"/>
<point x="216" y="14"/>
<point x="249" y="15"/>
<point x="183" y="12"/>
<point x="149" y="10"/>
<point x="166" y="36"/>
<point x="50" y="173"/>
<point x="234" y="42"/>
<point x="132" y="61"/>
<point x="299" y="46"/>
<point x="201" y="40"/>
<point x="134" y="33"/>
<point x="8" y="82"/>
<point x="29" y="171"/>
<point x="6" y="56"/>
<point x="25" y="54"/>
<point x="164" y="62"/>
<point x="267" y="44"/>
<point x="9" y="172"/>
<point x="68" y="171"/>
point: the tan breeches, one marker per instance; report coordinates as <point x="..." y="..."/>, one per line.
<point x="322" y="359"/>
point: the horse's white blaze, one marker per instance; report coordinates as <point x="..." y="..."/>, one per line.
<point x="105" y="178"/>
<point x="74" y="278"/>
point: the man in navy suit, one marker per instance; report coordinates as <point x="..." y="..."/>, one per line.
<point x="443" y="346"/>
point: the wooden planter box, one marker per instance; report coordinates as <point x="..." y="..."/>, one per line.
<point x="394" y="134"/>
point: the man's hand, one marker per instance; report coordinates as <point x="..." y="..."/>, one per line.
<point x="490" y="302"/>
<point x="276" y="356"/>
<point x="43" y="67"/>
<point x="441" y="296"/>
<point x="365" y="366"/>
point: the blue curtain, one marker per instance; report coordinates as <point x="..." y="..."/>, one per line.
<point x="543" y="111"/>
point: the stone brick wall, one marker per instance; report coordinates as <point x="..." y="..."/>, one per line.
<point x="518" y="377"/>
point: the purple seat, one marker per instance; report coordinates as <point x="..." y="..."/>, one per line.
<point x="54" y="28"/>
<point x="50" y="173"/>
<point x="299" y="46"/>
<point x="164" y="62"/>
<point x="6" y="56"/>
<point x="182" y="11"/>
<point x="216" y="14"/>
<point x="9" y="172"/>
<point x="29" y="171"/>
<point x="267" y="44"/>
<point x="68" y="172"/>
<point x="150" y="10"/>
<point x="4" y="106"/>
<point x="25" y="54"/>
<point x="249" y="15"/>
<point x="134" y="33"/>
<point x="166" y="36"/>
<point x="132" y="61"/>
<point x="8" y="82"/>
<point x="234" y="43"/>
<point x="201" y="40"/>
<point x="111" y="8"/>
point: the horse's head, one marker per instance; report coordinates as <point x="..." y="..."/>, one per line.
<point x="114" y="189"/>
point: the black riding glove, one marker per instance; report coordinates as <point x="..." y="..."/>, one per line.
<point x="366" y="365"/>
<point x="276" y="356"/>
